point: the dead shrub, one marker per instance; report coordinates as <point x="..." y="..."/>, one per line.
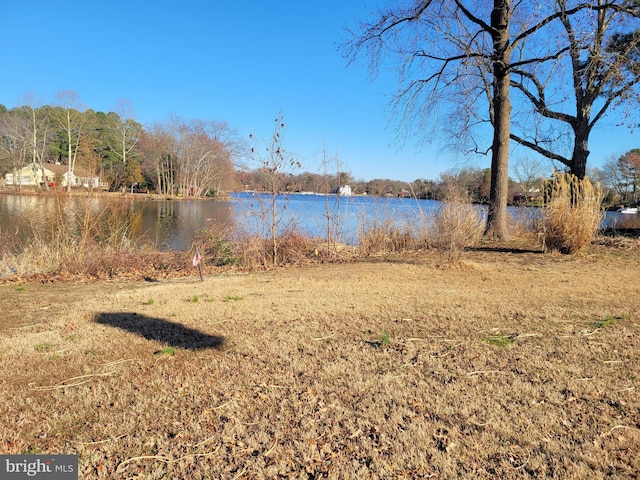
<point x="571" y="215"/>
<point x="383" y="237"/>
<point x="252" y="251"/>
<point x="456" y="225"/>
<point x="295" y="248"/>
<point x="220" y="246"/>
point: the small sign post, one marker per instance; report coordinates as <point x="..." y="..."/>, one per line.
<point x="197" y="262"/>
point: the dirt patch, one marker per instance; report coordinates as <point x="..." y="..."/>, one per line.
<point x="511" y="364"/>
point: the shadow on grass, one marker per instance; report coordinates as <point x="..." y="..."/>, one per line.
<point x="506" y="249"/>
<point x="160" y="330"/>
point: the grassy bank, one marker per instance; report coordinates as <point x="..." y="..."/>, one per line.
<point x="507" y="364"/>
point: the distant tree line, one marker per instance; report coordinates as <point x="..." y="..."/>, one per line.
<point x="177" y="157"/>
<point x="621" y="177"/>
<point x="205" y="157"/>
<point x="476" y="181"/>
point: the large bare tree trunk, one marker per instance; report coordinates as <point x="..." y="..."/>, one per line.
<point x="501" y="106"/>
<point x="580" y="148"/>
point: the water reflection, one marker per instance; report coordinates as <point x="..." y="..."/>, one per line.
<point x="23" y="217"/>
<point x="622" y="220"/>
<point x="165" y="224"/>
<point x="173" y="224"/>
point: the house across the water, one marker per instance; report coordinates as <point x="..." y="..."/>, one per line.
<point x="51" y="174"/>
<point x="345" y="190"/>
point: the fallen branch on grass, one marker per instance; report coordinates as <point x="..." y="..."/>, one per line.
<point x="325" y="338"/>
<point x="64" y="383"/>
<point x="164" y="459"/>
<point x="484" y="372"/>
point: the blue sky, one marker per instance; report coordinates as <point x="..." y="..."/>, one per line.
<point x="239" y="62"/>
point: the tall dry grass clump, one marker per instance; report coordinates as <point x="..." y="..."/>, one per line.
<point x="572" y="213"/>
<point x="72" y="235"/>
<point x="457" y="224"/>
<point x="381" y="237"/>
<point x="228" y="247"/>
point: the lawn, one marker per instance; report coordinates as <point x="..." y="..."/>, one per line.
<point x="509" y="364"/>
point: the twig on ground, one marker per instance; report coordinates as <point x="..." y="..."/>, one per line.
<point x="64" y="383"/>
<point x="628" y="389"/>
<point x="615" y="428"/>
<point x="26" y="326"/>
<point x="523" y="465"/>
<point x="524" y="335"/>
<point x="586" y="333"/>
<point x="116" y="362"/>
<point x="166" y="459"/>
<point x="223" y="405"/>
<point x="103" y="441"/>
<point x="240" y="474"/>
<point x="326" y="337"/>
<point x="271" y="449"/>
<point x="144" y="457"/>
<point x="484" y="372"/>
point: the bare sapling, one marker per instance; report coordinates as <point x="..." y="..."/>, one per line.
<point x="333" y="206"/>
<point x="275" y="166"/>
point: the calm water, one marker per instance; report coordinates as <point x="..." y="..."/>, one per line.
<point x="173" y="224"/>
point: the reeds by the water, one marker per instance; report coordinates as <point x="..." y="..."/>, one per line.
<point x="572" y="213"/>
<point x="75" y="234"/>
<point x="456" y="225"/>
<point x="91" y="237"/>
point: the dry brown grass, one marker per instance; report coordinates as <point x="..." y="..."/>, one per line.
<point x="253" y="252"/>
<point x="573" y="214"/>
<point x="79" y="234"/>
<point x="456" y="225"/>
<point x="283" y="373"/>
<point x="382" y="238"/>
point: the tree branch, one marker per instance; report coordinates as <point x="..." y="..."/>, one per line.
<point x="540" y="102"/>
<point x="541" y="150"/>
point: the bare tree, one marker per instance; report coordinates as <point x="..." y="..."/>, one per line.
<point x="125" y="132"/>
<point x="334" y="207"/>
<point x="36" y="131"/>
<point x="629" y="168"/>
<point x="157" y="147"/>
<point x="75" y="126"/>
<point x="189" y="157"/>
<point x="460" y="56"/>
<point x="274" y="165"/>
<point x="612" y="179"/>
<point x="13" y="146"/>
<point x="455" y="55"/>
<point x="202" y="160"/>
<point x="596" y="68"/>
<point x="528" y="171"/>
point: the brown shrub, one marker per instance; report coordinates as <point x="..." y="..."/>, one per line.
<point x="252" y="251"/>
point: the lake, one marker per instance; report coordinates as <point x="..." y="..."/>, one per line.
<point x="173" y="224"/>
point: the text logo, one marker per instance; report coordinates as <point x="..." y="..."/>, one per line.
<point x="50" y="467"/>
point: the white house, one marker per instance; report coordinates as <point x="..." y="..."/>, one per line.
<point x="345" y="190"/>
<point x="52" y="174"/>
